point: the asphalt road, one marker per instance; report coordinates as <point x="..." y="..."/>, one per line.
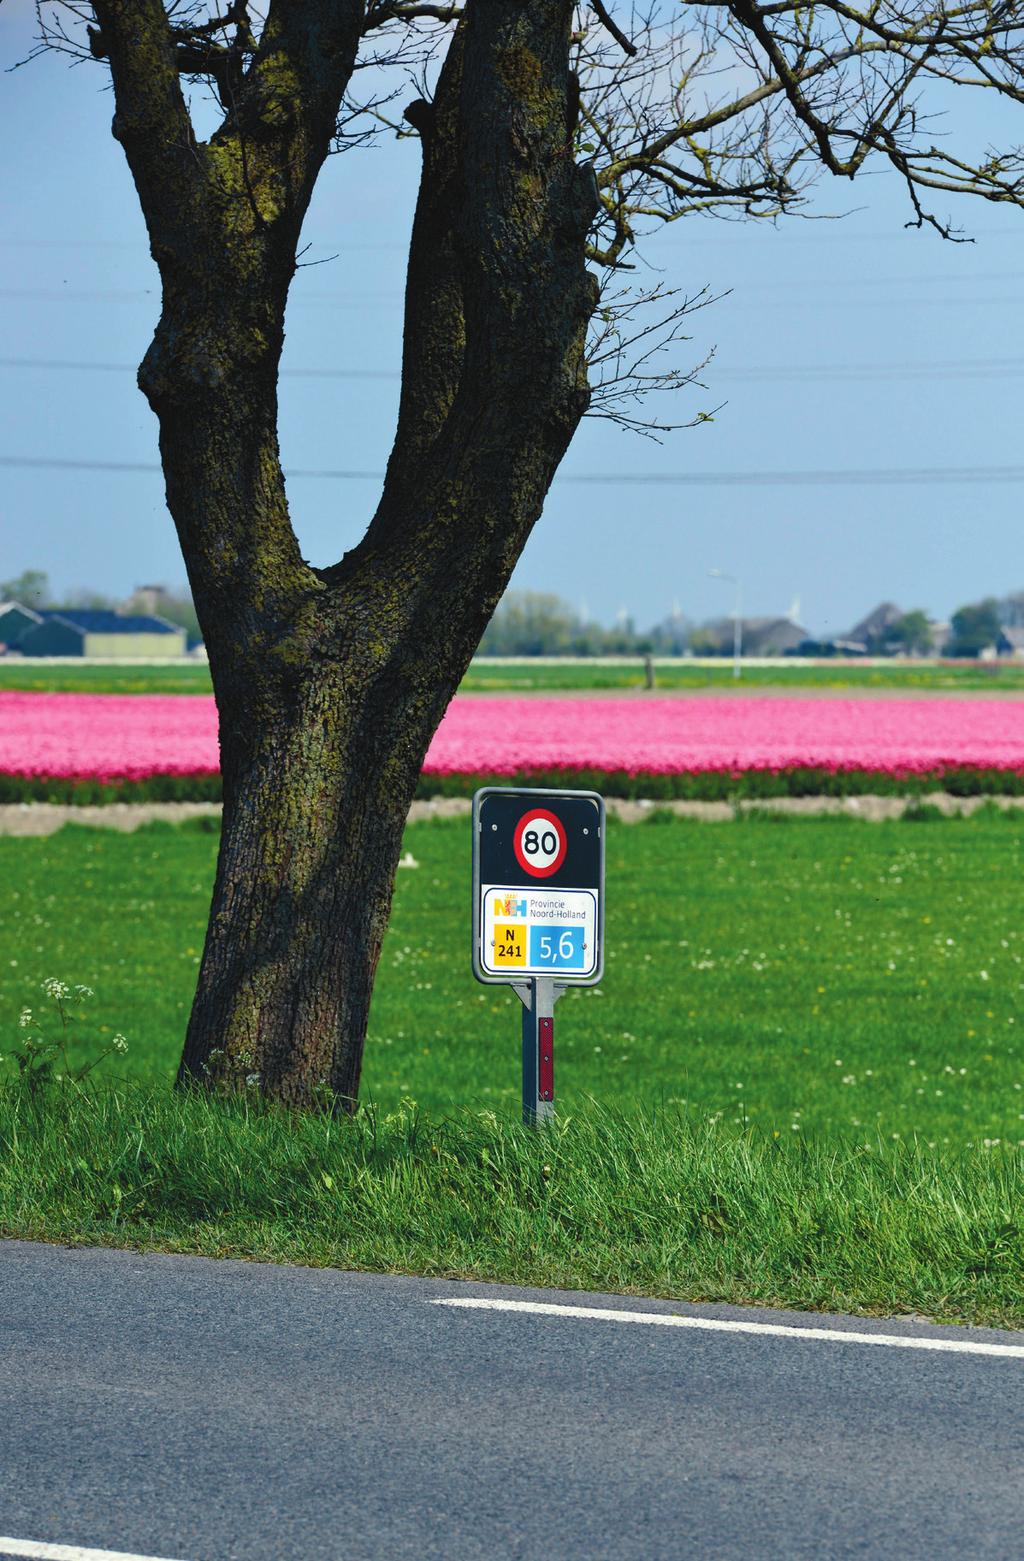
<point x="206" y="1411"/>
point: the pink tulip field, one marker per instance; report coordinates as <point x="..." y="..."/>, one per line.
<point x="56" y="744"/>
<point x="671" y="735"/>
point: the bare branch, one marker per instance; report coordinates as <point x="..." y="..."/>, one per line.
<point x="381" y="15"/>
<point x="616" y="32"/>
<point x="630" y="332"/>
<point x="721" y="108"/>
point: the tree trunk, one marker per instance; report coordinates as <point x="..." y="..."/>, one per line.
<point x="316" y="798"/>
<point x="330" y="683"/>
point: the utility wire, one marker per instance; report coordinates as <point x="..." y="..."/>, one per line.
<point x="60" y="295"/>
<point x="139" y="245"/>
<point x="967" y="368"/>
<point x="337" y="300"/>
<point x="130" y="368"/>
<point x="865" y="477"/>
<point x="816" y="230"/>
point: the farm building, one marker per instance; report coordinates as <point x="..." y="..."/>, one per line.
<point x="74" y="631"/>
<point x="761" y="636"/>
<point x="15" y="622"/>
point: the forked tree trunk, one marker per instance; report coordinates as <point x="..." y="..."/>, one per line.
<point x="316" y="798"/>
<point x="330" y="683"/>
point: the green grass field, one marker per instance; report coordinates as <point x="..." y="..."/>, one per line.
<point x="800" y="1083"/>
<point x="810" y="977"/>
<point x="683" y="675"/>
<point x="495" y="676"/>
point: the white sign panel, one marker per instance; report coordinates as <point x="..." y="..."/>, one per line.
<point x="537" y="932"/>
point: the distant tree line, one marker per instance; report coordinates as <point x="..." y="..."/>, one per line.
<point x="539" y="623"/>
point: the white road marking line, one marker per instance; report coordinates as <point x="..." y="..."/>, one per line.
<point x="36" y="1550"/>
<point x="897" y="1341"/>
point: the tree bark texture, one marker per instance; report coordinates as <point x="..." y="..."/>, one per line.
<point x="330" y="683"/>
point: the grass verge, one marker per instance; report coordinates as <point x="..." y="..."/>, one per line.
<point x="495" y="675"/>
<point x="660" y="1204"/>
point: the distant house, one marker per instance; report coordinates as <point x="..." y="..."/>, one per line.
<point x="771" y="636"/>
<point x="88" y="631"/>
<point x="824" y="648"/>
<point x="761" y="637"/>
<point x="1009" y="643"/>
<point x="15" y="622"/>
<point x="871" y="631"/>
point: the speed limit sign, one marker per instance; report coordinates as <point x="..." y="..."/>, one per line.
<point x="538" y="912"/>
<point x="540" y="843"/>
<point x="538" y="881"/>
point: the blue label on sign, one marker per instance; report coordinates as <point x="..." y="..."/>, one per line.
<point x="557" y="948"/>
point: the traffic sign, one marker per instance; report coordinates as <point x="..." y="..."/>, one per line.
<point x="538" y="882"/>
<point x="538" y="912"/>
<point x="540" y="842"/>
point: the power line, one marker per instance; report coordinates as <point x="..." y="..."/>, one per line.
<point x="130" y="368"/>
<point x="62" y="295"/>
<point x="817" y="230"/>
<point x="797" y="283"/>
<point x="738" y="297"/>
<point x="966" y="368"/>
<point x="140" y="245"/>
<point x="865" y="477"/>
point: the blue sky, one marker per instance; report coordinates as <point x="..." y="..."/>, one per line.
<point x="841" y="346"/>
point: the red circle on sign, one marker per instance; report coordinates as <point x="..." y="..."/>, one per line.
<point x="539" y="863"/>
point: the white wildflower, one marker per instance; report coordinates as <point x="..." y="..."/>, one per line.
<point x="55" y="989"/>
<point x="25" y="1018"/>
<point x="119" y="1044"/>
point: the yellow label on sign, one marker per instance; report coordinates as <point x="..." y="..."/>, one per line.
<point x="509" y="944"/>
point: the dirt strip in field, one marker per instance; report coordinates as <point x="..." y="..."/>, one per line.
<point x="44" y="818"/>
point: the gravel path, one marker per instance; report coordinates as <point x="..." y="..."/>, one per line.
<point x="44" y="818"/>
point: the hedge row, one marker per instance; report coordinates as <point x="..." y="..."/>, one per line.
<point x="724" y="785"/>
<point x="693" y="785"/>
<point x="202" y="787"/>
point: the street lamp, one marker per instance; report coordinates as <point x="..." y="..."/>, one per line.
<point x="737" y="618"/>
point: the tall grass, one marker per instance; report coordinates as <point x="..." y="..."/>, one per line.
<point x="659" y="1203"/>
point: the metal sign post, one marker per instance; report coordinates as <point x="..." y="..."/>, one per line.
<point x="539" y="999"/>
<point x="538" y="912"/>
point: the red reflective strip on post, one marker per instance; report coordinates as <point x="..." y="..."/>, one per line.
<point x="546" y="1059"/>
